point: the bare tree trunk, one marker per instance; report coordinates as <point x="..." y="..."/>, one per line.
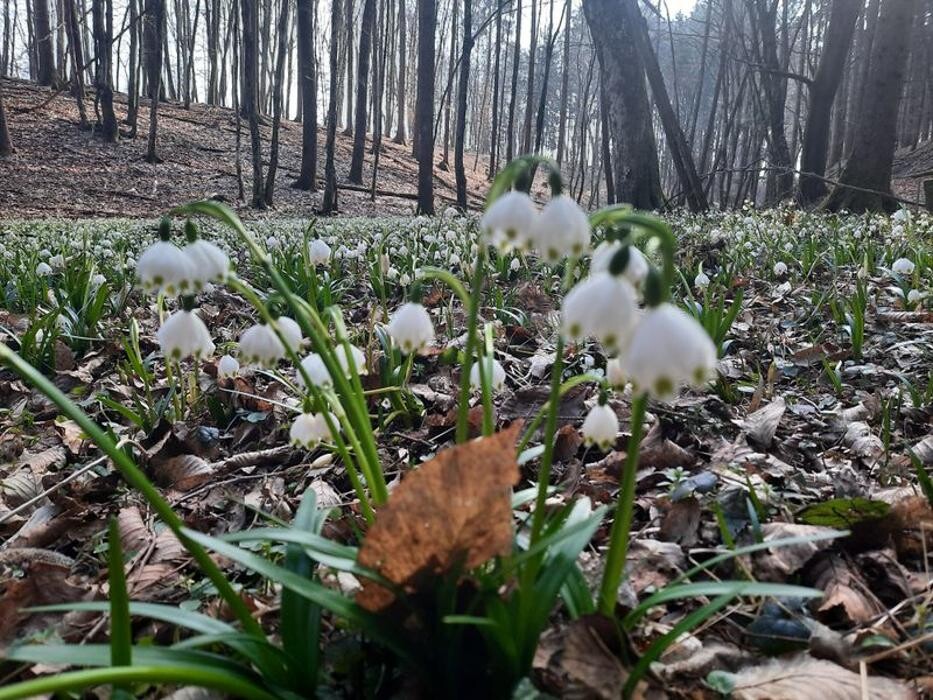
<point x="249" y="99"/>
<point x="516" y="59"/>
<point x="494" y="133"/>
<point x="77" y="58"/>
<point x="6" y="143"/>
<point x="277" y="99"/>
<point x="153" y="26"/>
<point x="349" y="51"/>
<point x="362" y="85"/>
<point x="682" y="156"/>
<point x="400" y="133"/>
<point x="446" y="98"/>
<point x="530" y="85"/>
<point x="132" y="97"/>
<point x="564" y="86"/>
<point x="424" y="104"/>
<point x="636" y="175"/>
<point x="605" y="146"/>
<point x="45" y="56"/>
<point x="466" y="50"/>
<point x="869" y="166"/>
<point x="307" y="68"/>
<point x="329" y="205"/>
<point x="102" y="11"/>
<point x="836" y="43"/>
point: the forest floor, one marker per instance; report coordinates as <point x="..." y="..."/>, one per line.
<point x="61" y="170"/>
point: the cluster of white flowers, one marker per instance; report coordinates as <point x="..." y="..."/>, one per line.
<point x="560" y="229"/>
<point x="260" y="344"/>
<point x="166" y="268"/>
<point x="310" y="429"/>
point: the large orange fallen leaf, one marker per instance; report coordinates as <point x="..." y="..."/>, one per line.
<point x="453" y="511"/>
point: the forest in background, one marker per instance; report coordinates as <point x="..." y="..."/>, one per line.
<point x="760" y="100"/>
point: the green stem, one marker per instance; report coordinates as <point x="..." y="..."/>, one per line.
<point x="463" y="415"/>
<point x="235" y="685"/>
<point x="622" y="523"/>
<point x="135" y="478"/>
<point x="550" y="430"/>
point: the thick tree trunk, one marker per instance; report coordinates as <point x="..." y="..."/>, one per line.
<point x="362" y="85"/>
<point x="307" y="69"/>
<point x="462" y="90"/>
<point x="45" y="55"/>
<point x="103" y="44"/>
<point x="348" y="48"/>
<point x="636" y="176"/>
<point x="424" y="104"/>
<point x="250" y="97"/>
<point x="690" y="181"/>
<point x="77" y="58"/>
<point x="153" y="26"/>
<point x="838" y="39"/>
<point x="401" y="135"/>
<point x="874" y="140"/>
<point x="6" y="143"/>
<point x="329" y="204"/>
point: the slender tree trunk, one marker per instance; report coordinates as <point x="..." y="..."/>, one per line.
<point x="869" y="166"/>
<point x="424" y="104"/>
<point x="564" y="86"/>
<point x="516" y="59"/>
<point x="278" y="86"/>
<point x="447" y="97"/>
<point x="682" y="156"/>
<point x="329" y="204"/>
<point x="362" y="85"/>
<point x="349" y="51"/>
<point x="636" y="175"/>
<point x="307" y="68"/>
<point x="6" y="143"/>
<point x="77" y="58"/>
<point x="494" y="133"/>
<point x="401" y="135"/>
<point x="250" y="97"/>
<point x="530" y="84"/>
<point x="605" y="146"/>
<point x="103" y="43"/>
<point x="838" y="39"/>
<point x="466" y="50"/>
<point x="132" y="97"/>
<point x="153" y="26"/>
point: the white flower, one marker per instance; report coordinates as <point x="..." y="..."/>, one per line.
<point x="635" y="270"/>
<point x="411" y="327"/>
<point x="318" y="252"/>
<point x="184" y="335"/>
<point x="701" y="281"/>
<point x="164" y="267"/>
<point x="359" y="359"/>
<point x="515" y="265"/>
<point x="57" y="261"/>
<point x="313" y="365"/>
<point x="669" y="349"/>
<point x="45" y="254"/>
<point x="272" y="243"/>
<point x="211" y="264"/>
<point x="310" y="429"/>
<point x="615" y="373"/>
<point x="290" y="330"/>
<point x="98" y="281"/>
<point x="901" y="215"/>
<point x="227" y="367"/>
<point x="561" y="229"/>
<point x="260" y="345"/>
<point x="43" y="269"/>
<point x="600" y="426"/>
<point x="903" y="266"/>
<point x="780" y="269"/>
<point x="510" y="219"/>
<point x="497" y="382"/>
<point x="915" y="296"/>
<point x="601" y="306"/>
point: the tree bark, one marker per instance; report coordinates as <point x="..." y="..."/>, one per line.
<point x="401" y="135"/>
<point x="250" y="97"/>
<point x="132" y="96"/>
<point x="690" y="181"/>
<point x="153" y="26"/>
<point x="873" y="143"/>
<point x="838" y="39"/>
<point x="494" y="132"/>
<point x="307" y="68"/>
<point x="636" y="176"/>
<point x="362" y="85"/>
<point x="466" y="50"/>
<point x="516" y="59"/>
<point x="45" y="56"/>
<point x="6" y="142"/>
<point x="102" y="11"/>
<point x="424" y="104"/>
<point x="278" y="85"/>
<point x="564" y="86"/>
<point x="77" y="59"/>
<point x="329" y="204"/>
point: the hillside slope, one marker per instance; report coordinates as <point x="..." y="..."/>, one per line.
<point x="60" y="170"/>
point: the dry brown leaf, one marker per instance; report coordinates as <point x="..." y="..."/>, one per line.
<point x="847" y="599"/>
<point x="805" y="677"/>
<point x="184" y="472"/>
<point x="783" y="562"/>
<point x="863" y="443"/>
<point x="40" y="463"/>
<point x="912" y="527"/>
<point x="72" y="435"/>
<point x="566" y="443"/>
<point x="924" y="450"/>
<point x="593" y="670"/>
<point x="761" y="425"/>
<point x="134" y="534"/>
<point x="455" y="510"/>
<point x="19" y="487"/>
